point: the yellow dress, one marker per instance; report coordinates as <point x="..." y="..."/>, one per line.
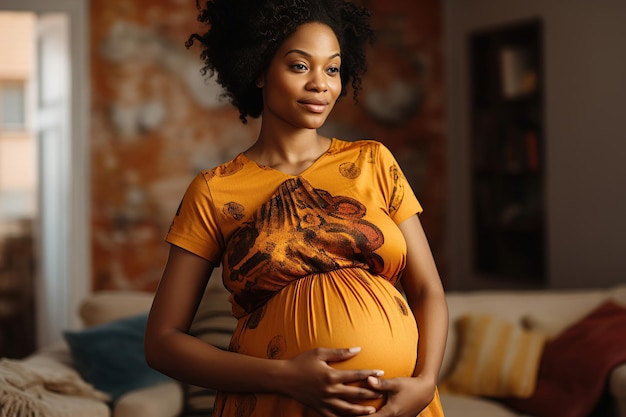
<point x="310" y="260"/>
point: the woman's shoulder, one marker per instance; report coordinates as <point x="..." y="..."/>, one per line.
<point x="208" y="180"/>
<point x="225" y="169"/>
<point x="371" y="146"/>
<point x="358" y="144"/>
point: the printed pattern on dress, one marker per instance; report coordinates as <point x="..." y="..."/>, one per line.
<point x="300" y="231"/>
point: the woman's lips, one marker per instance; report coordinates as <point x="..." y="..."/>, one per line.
<point x="314" y="106"/>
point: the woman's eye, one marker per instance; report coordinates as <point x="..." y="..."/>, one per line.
<point x="333" y="70"/>
<point x="299" y="67"/>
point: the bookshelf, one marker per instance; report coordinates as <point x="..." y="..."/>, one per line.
<point x="507" y="154"/>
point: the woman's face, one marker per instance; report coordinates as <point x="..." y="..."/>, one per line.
<point x="303" y="82"/>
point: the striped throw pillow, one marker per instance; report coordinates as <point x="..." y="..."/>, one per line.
<point x="214" y="324"/>
<point x="496" y="358"/>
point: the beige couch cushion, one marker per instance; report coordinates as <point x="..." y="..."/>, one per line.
<point x="163" y="400"/>
<point x="466" y="406"/>
<point x="105" y="306"/>
<point x="558" y="316"/>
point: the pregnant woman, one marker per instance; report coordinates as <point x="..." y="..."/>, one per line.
<point x="315" y="234"/>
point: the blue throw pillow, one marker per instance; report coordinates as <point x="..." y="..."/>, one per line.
<point x="111" y="358"/>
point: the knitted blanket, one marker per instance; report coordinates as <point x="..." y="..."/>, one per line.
<point x="41" y="387"/>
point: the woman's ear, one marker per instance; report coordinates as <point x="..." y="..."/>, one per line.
<point x="260" y="82"/>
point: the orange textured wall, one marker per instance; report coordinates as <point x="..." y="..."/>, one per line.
<point x="155" y="122"/>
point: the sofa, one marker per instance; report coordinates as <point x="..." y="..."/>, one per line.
<point x="544" y="317"/>
<point x="560" y="316"/>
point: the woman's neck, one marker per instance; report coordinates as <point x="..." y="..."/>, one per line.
<point x="291" y="152"/>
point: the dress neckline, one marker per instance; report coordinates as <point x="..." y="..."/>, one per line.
<point x="333" y="142"/>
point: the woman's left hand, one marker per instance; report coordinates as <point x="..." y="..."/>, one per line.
<point x="406" y="397"/>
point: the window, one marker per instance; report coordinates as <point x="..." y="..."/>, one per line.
<point x="12" y="105"/>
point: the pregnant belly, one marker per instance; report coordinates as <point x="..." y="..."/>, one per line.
<point x="342" y="309"/>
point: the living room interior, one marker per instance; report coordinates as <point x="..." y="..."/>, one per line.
<point x="142" y="121"/>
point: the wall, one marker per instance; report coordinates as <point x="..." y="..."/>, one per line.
<point x="156" y="123"/>
<point x="17" y="58"/>
<point x="585" y="87"/>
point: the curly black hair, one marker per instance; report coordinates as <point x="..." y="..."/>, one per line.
<point x="243" y="36"/>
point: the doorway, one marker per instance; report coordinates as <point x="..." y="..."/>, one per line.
<point x="56" y="229"/>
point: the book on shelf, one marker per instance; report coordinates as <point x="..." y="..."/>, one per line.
<point x="519" y="77"/>
<point x="532" y="151"/>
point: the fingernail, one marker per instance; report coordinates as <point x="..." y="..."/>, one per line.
<point x="379" y="372"/>
<point x="354" y="349"/>
<point x="372" y="410"/>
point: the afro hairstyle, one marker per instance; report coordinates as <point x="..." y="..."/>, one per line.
<point x="242" y="36"/>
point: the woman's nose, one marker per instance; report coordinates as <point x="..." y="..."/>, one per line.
<point x="317" y="82"/>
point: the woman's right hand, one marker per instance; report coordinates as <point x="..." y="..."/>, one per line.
<point x="331" y="392"/>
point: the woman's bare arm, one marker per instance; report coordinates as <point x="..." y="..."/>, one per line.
<point x="426" y="297"/>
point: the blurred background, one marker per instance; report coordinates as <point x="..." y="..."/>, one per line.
<point x="506" y="117"/>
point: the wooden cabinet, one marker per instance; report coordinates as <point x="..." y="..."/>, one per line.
<point x="507" y="153"/>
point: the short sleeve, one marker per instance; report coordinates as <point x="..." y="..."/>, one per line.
<point x="195" y="226"/>
<point x="399" y="196"/>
